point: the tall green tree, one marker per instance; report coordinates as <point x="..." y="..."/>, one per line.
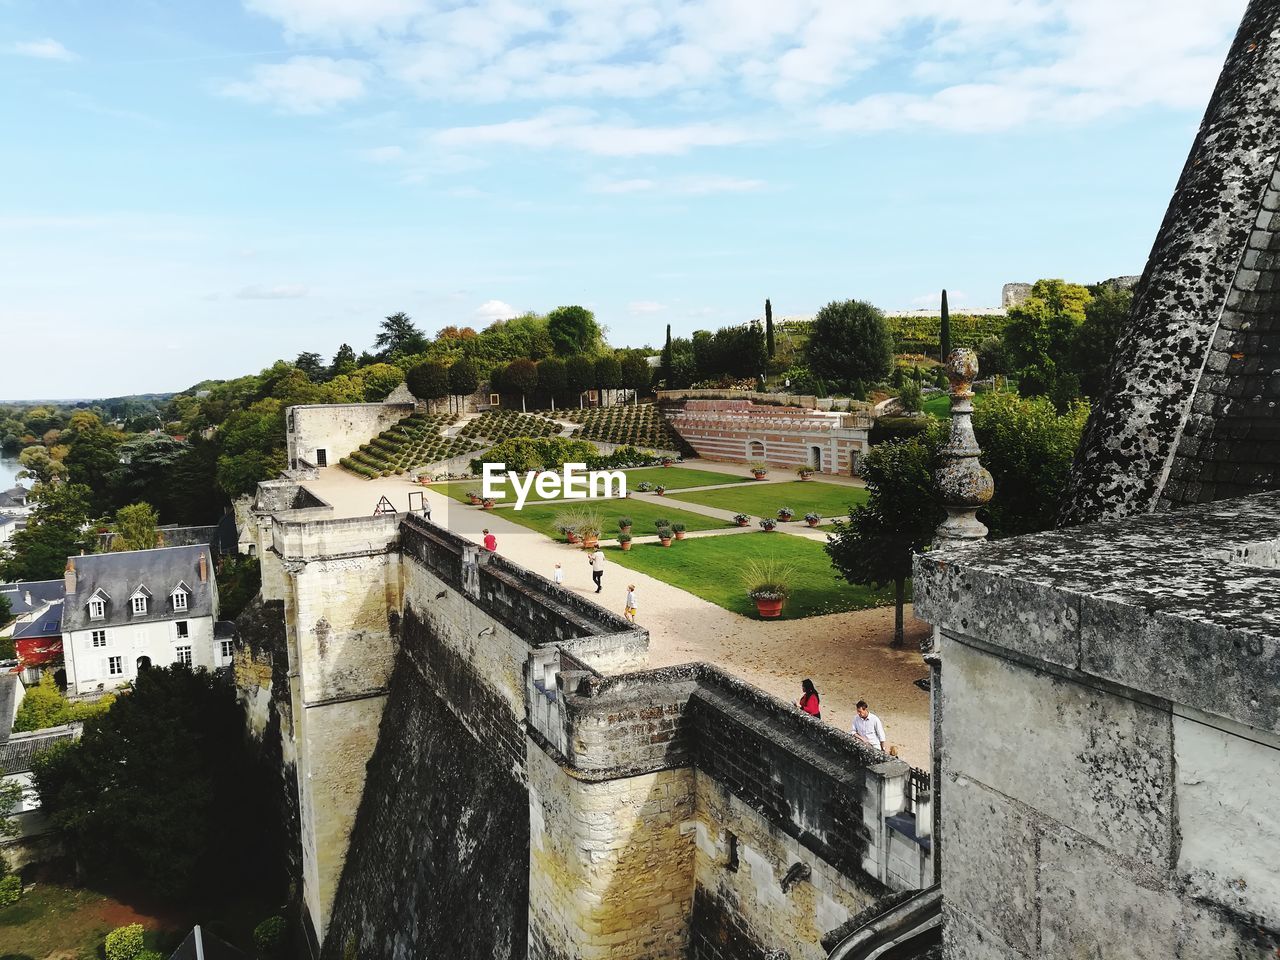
<point x="93" y="453"/>
<point x="944" y="334"/>
<point x="666" y="364"/>
<point x="580" y="373"/>
<point x="850" y="346"/>
<point x="399" y="336"/>
<point x="1028" y="447"/>
<point x="608" y="374"/>
<point x="573" y="329"/>
<point x="553" y="378"/>
<point x="769" y="345"/>
<point x="521" y="376"/>
<point x="1096" y="338"/>
<point x="1041" y="337"/>
<point x="135" y="528"/>
<point x="156" y="785"/>
<point x="39" y="465"/>
<point x="428" y="380"/>
<point x="53" y="533"/>
<point x="876" y="544"/>
<point x="344" y="361"/>
<point x="636" y="374"/>
<point x="464" y="380"/>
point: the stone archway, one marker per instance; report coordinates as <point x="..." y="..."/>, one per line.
<point x="144" y="663"/>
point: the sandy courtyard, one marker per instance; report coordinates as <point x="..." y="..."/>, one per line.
<point x="847" y="655"/>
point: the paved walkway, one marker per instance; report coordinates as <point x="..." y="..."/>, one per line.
<point x="846" y="654"/>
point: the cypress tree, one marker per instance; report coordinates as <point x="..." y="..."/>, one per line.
<point x="768" y="328"/>
<point x="666" y="360"/>
<point x="944" y="338"/>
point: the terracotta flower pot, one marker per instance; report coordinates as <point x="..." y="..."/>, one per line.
<point x="570" y="536"/>
<point x="626" y="545"/>
<point x="760" y="476"/>
<point x="666" y="541"/>
<point x="744" y="523"/>
<point x="769" y="609"/>
<point x="626" y="529"/>
<point x="812" y="523"/>
<point x="475" y="501"/>
<point x="806" y="476"/>
<point x="590" y="542"/>
<point x="679" y="534"/>
<point x="487" y="505"/>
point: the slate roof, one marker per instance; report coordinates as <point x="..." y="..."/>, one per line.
<point x="14" y="497"/>
<point x="211" y="948"/>
<point x="47" y="624"/>
<point x="15" y="756"/>
<point x="42" y="592"/>
<point x="120" y="575"/>
<point x="1192" y="413"/>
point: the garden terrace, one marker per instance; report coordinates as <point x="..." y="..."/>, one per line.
<point x="639" y="426"/>
<point x="415" y="441"/>
<point x="672" y="478"/>
<point x="643" y="514"/>
<point x="498" y="425"/>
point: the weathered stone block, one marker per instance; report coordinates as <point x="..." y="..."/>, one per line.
<point x="989" y="870"/>
<point x="1100" y="764"/>
<point x="1092" y="905"/>
<point x="963" y="938"/>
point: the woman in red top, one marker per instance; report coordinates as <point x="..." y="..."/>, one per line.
<point x="809" y="701"/>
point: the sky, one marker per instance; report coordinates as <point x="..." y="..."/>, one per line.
<point x="191" y="190"/>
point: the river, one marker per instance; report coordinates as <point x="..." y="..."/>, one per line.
<point x="9" y="468"/>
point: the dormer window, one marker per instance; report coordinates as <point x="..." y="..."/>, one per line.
<point x="97" y="609"/>
<point x="140" y="601"/>
<point x="181" y="597"/>
<point x="179" y="600"/>
<point x="139" y="604"/>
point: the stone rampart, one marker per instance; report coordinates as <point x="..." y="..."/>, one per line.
<point x="322" y="434"/>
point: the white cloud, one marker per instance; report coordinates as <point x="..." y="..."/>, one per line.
<point x="581" y="130"/>
<point x="46" y="49"/>
<point x="285" y="291"/>
<point x="303" y="84"/>
<point x="388" y="154"/>
<point x="639" y="308"/>
<point x="492" y="310"/>
<point x="337" y="18"/>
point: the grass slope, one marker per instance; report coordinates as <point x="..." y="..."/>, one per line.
<point x="708" y="567"/>
<point x="764" y="499"/>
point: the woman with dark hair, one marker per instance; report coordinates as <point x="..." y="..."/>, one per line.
<point x="809" y="701"/>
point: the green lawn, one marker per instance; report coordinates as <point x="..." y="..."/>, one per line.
<point x="764" y="499"/>
<point x="542" y="517"/>
<point x="673" y="478"/>
<point x="708" y="567"/>
<point x="938" y="405"/>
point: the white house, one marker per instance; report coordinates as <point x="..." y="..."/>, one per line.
<point x="128" y="611"/>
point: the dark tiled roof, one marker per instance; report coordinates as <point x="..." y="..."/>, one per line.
<point x="119" y="575"/>
<point x="42" y="592"/>
<point x="48" y="624"/>
<point x="1192" y="413"/>
<point x="15" y="756"/>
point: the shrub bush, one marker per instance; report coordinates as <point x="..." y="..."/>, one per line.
<point x="10" y="889"/>
<point x="887" y="429"/>
<point x="124" y="943"/>
<point x="151" y="955"/>
<point x="268" y="936"/>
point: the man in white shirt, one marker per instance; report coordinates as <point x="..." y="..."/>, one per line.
<point x="596" y="560"/>
<point x="868" y="728"/>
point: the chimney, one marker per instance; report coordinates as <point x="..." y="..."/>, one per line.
<point x="69" y="577"/>
<point x="204" y="569"/>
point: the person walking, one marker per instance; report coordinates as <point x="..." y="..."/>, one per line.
<point x="557" y="575"/>
<point x="490" y="541"/>
<point x="868" y="728"/>
<point x="596" y="559"/>
<point x="630" y="611"/>
<point x="809" y="701"/>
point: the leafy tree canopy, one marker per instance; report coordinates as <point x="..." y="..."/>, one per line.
<point x="53" y="533"/>
<point x="428" y="380"/>
<point x="572" y="330"/>
<point x="399" y="336"/>
<point x="1040" y="337"/>
<point x="850" y="346"/>
<point x="135" y="528"/>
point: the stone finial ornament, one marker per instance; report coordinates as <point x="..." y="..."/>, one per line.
<point x="963" y="482"/>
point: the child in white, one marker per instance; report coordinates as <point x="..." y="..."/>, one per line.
<point x="631" y="602"/>
<point x="558" y="576"/>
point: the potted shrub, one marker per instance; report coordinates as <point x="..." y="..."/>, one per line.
<point x="624" y="525"/>
<point x="567" y="523"/>
<point x="767" y="524"/>
<point x="741" y="519"/>
<point x="624" y="541"/>
<point x="664" y="534"/>
<point x="644" y="486"/>
<point x="760" y="470"/>
<point x="812" y="519"/>
<point x="785" y="513"/>
<point x="589" y="530"/>
<point x="668" y="461"/>
<point x="805" y="473"/>
<point x="659" y="489"/>
<point x="487" y="503"/>
<point x="678" y="527"/>
<point x="768" y="583"/>
<point x="474" y="497"/>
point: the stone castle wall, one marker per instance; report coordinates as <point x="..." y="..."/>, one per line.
<point x="337" y="428"/>
<point x="470" y="782"/>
